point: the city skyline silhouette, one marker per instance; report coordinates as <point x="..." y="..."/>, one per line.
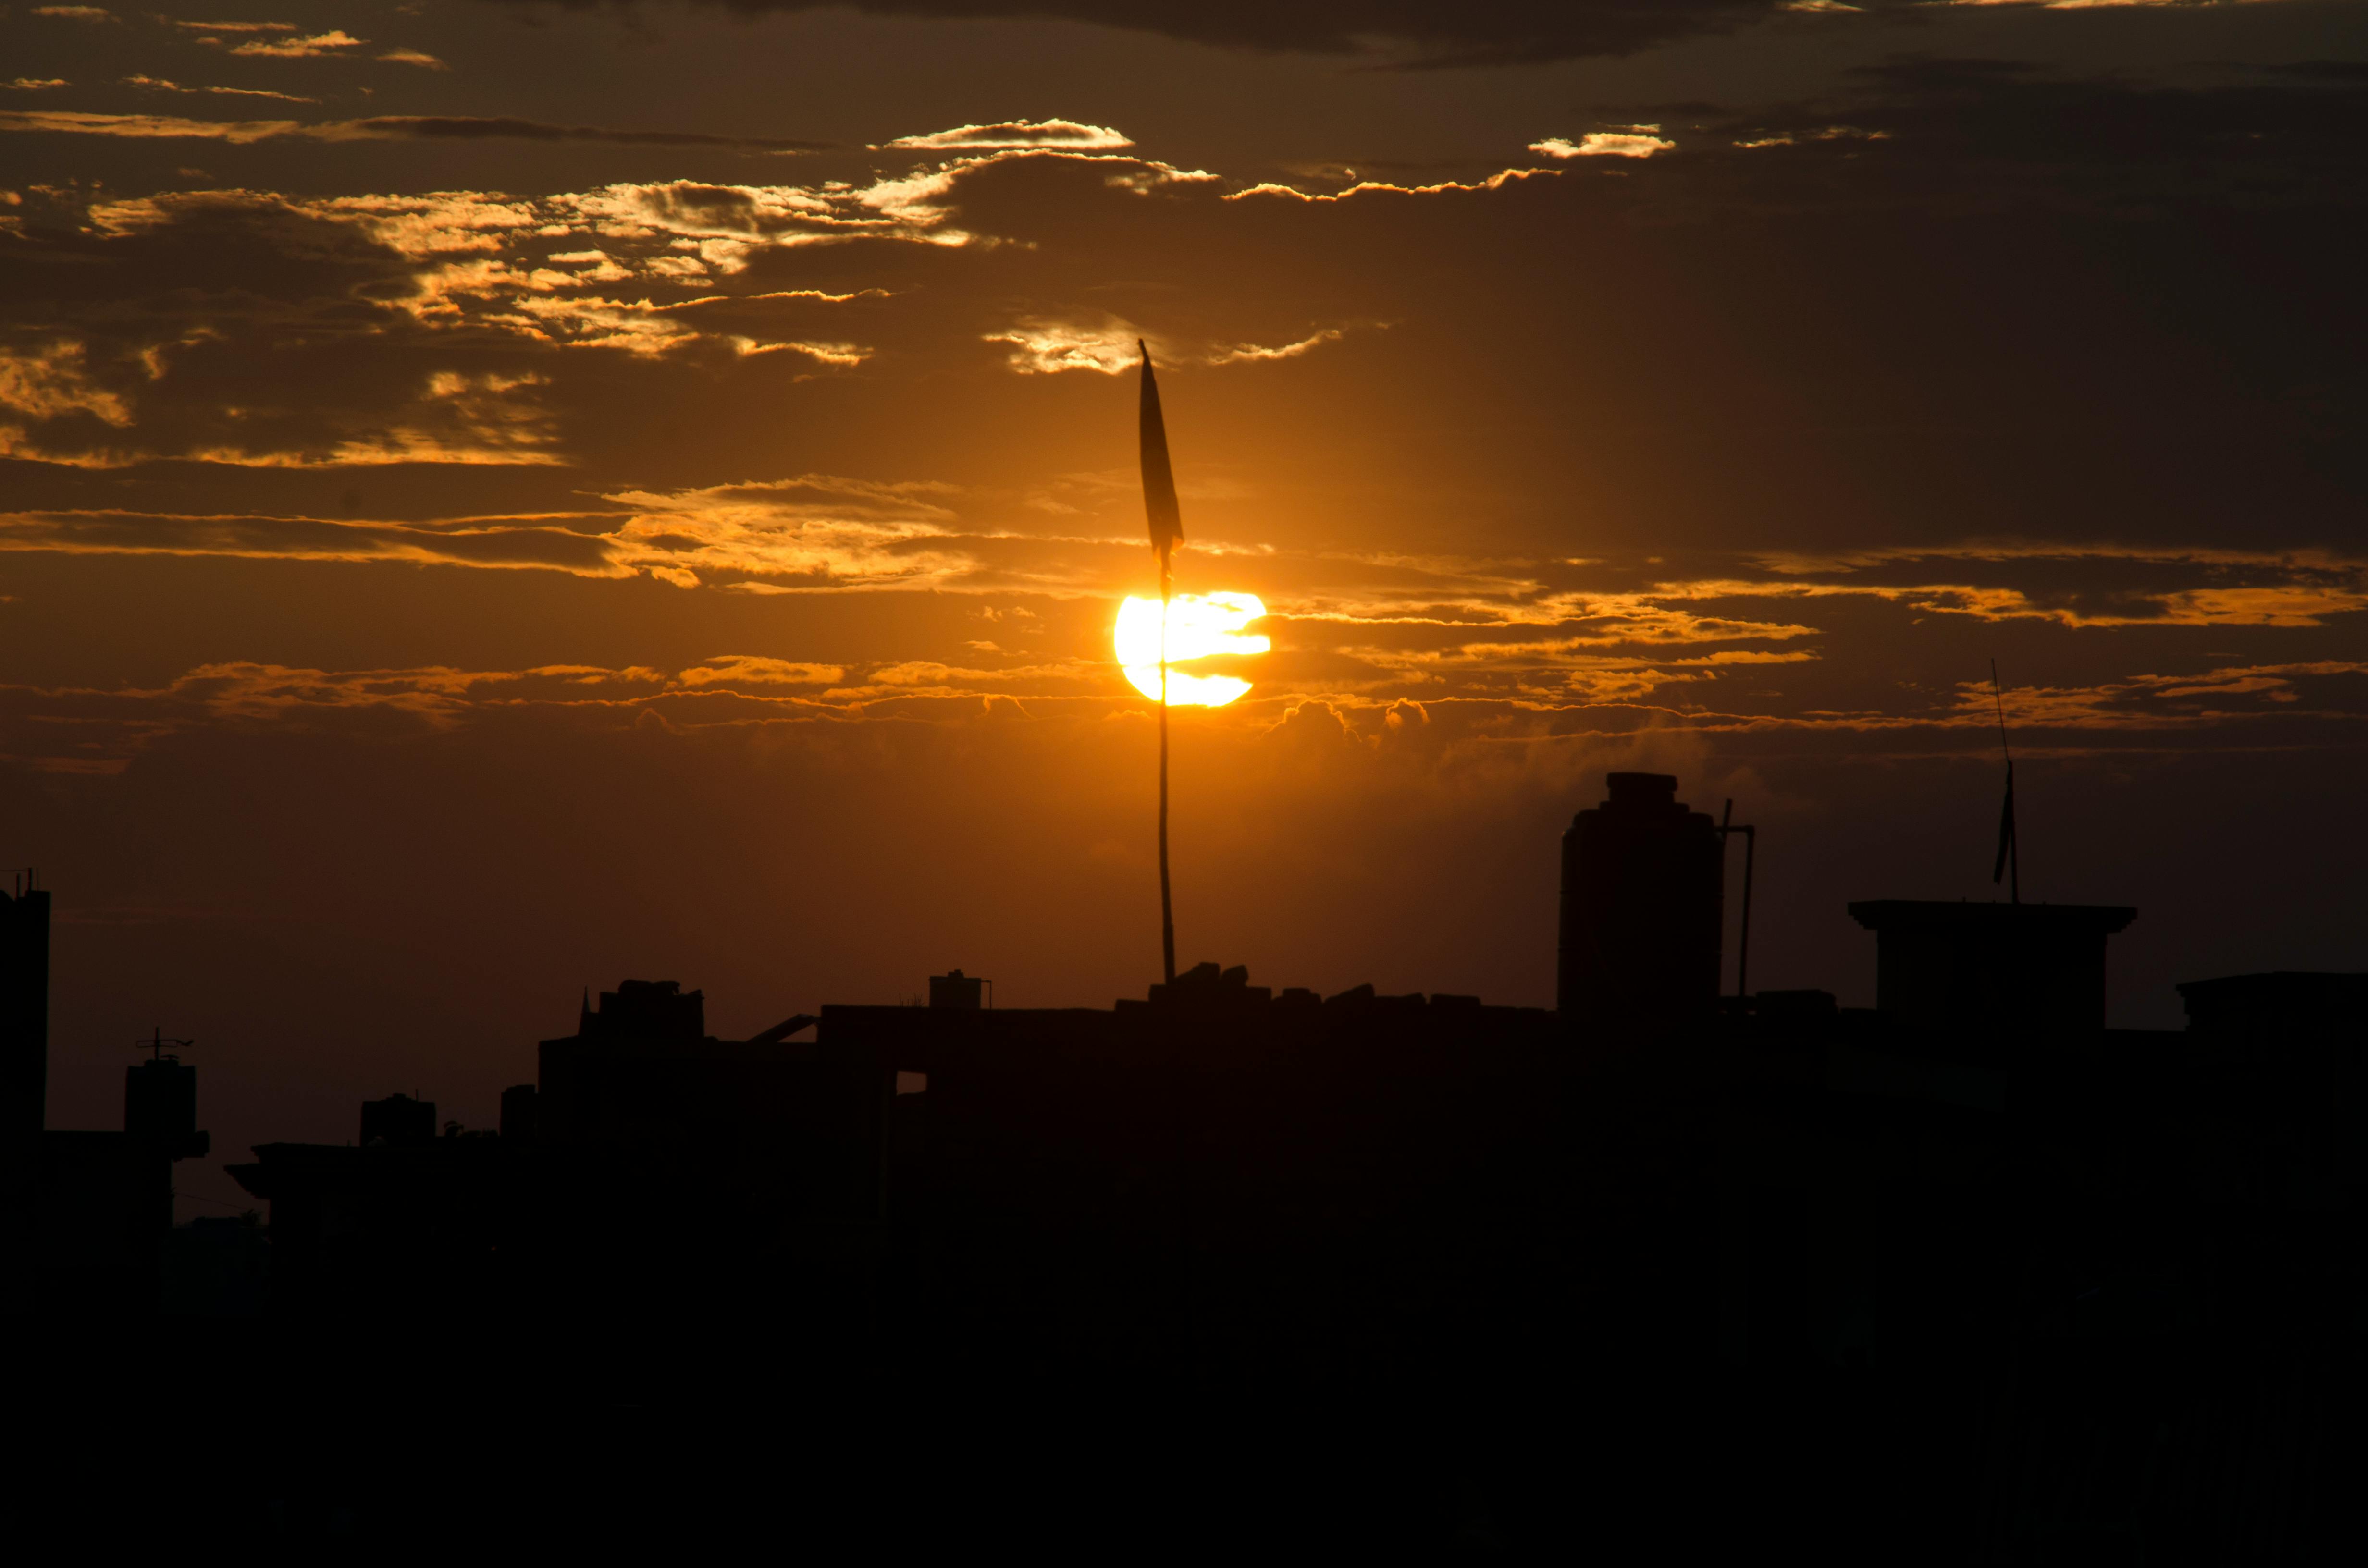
<point x="1995" y="1271"/>
<point x="578" y="663"/>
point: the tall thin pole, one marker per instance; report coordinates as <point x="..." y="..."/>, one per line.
<point x="2009" y="846"/>
<point x="1166" y="525"/>
<point x="1727" y="827"/>
<point x="1167" y="906"/>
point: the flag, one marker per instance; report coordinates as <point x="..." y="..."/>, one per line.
<point x="1158" y="479"/>
<point x="2006" y="830"/>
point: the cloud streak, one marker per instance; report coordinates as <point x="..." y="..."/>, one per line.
<point x="377" y="128"/>
<point x="1016" y="133"/>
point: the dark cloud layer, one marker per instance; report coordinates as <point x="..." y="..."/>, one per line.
<point x="1478" y="32"/>
<point x="377" y="128"/>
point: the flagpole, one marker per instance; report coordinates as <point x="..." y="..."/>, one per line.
<point x="1166" y="526"/>
<point x="1166" y="907"/>
<point x="2010" y="849"/>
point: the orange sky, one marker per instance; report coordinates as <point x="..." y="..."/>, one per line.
<point x="498" y="497"/>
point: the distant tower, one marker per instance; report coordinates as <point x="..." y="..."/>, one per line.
<point x="1642" y="891"/>
<point x="160" y="1102"/>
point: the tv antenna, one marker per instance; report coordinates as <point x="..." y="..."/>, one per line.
<point x="156" y="1043"/>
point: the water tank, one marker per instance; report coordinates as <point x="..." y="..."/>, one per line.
<point x="160" y="1107"/>
<point x="1642" y="907"/>
<point x="957" y="990"/>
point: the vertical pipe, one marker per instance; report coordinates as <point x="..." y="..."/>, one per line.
<point x="1750" y="852"/>
<point x="1725" y="829"/>
<point x="1743" y="954"/>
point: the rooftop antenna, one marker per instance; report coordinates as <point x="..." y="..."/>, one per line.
<point x="155" y="1044"/>
<point x="1166" y="526"/>
<point x="2009" y="865"/>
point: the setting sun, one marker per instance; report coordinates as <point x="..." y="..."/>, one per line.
<point x="1199" y="626"/>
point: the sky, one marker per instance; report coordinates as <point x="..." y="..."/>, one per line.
<point x="497" y="497"/>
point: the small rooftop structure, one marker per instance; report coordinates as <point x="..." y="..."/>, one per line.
<point x="1995" y="970"/>
<point x="646" y="1009"/>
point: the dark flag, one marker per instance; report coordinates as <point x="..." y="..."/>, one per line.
<point x="1158" y="480"/>
<point x="1167" y="528"/>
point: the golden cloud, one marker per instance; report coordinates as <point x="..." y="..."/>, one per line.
<point x="1066" y="134"/>
<point x="52" y="379"/>
<point x="308" y="48"/>
<point x="158" y="84"/>
<point x="1636" y="142"/>
<point x="1496" y="181"/>
<point x="1043" y="346"/>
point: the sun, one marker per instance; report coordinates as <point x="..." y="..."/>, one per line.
<point x="1199" y="626"/>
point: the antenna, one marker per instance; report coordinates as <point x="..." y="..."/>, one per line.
<point x="2010" y="863"/>
<point x="156" y="1042"/>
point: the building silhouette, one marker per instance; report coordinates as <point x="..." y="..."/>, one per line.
<point x="1966" y="1276"/>
<point x="89" y="1212"/>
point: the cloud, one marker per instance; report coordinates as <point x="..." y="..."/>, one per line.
<point x="1252" y="353"/>
<point x="2150" y="701"/>
<point x="1819" y="133"/>
<point x="377" y="128"/>
<point x="17" y="443"/>
<point x="309" y="48"/>
<point x="157" y="85"/>
<point x="415" y="57"/>
<point x="844" y="537"/>
<point x="814" y="533"/>
<point x="75" y="13"/>
<point x="1399" y="32"/>
<point x="1067" y="134"/>
<point x="2095" y="585"/>
<point x="432" y="127"/>
<point x="237" y="27"/>
<point x="486" y="419"/>
<point x="145" y="126"/>
<point x="455" y="417"/>
<point x="519" y="267"/>
<point x="1043" y="348"/>
<point x="1046" y="345"/>
<point x="1496" y="181"/>
<point x="752" y="669"/>
<point x="1636" y="142"/>
<point x="556" y="544"/>
<point x="51" y="381"/>
<point x="31" y="85"/>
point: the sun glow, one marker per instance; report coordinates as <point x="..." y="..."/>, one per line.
<point x="1199" y="626"/>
